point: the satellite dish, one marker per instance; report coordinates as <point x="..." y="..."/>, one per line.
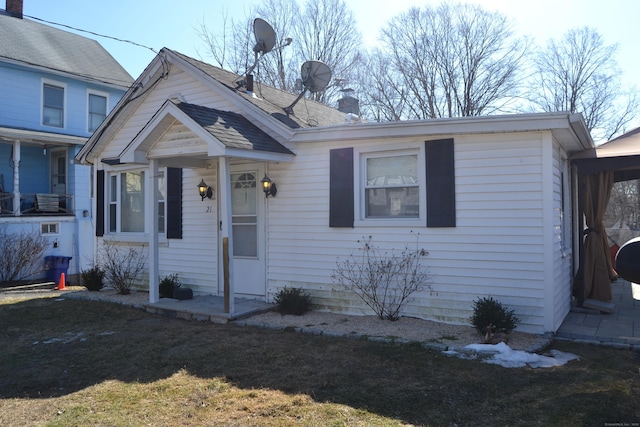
<point x="265" y="43"/>
<point x="265" y="36"/>
<point x="315" y="77"/>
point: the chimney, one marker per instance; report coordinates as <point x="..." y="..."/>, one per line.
<point x="14" y="8"/>
<point x="349" y="104"/>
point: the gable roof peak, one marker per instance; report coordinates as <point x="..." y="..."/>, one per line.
<point x="273" y="101"/>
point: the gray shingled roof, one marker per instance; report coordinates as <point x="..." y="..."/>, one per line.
<point x="36" y="44"/>
<point x="232" y="129"/>
<point x="306" y="113"/>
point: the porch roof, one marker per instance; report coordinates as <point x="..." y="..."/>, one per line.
<point x="39" y="137"/>
<point x="621" y="155"/>
<point x="213" y="133"/>
<point x="232" y="129"/>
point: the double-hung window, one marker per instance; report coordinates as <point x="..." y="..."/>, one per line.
<point x="391" y="186"/>
<point x="127" y="202"/>
<point x="97" y="110"/>
<point x="53" y="105"/>
<point x="410" y="184"/>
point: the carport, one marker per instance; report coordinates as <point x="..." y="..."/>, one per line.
<point x="598" y="169"/>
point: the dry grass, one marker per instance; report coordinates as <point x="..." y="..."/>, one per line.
<point x="66" y="362"/>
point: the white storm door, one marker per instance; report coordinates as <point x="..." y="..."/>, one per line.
<point x="247" y="228"/>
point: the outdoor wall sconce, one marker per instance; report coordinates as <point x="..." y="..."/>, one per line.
<point x="268" y="187"/>
<point x="204" y="190"/>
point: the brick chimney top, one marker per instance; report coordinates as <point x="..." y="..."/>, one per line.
<point x="14" y="8"/>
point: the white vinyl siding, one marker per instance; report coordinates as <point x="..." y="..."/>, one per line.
<point x="497" y="247"/>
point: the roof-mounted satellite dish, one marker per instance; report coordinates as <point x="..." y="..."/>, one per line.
<point x="265" y="43"/>
<point x="315" y="77"/>
<point x="265" y="36"/>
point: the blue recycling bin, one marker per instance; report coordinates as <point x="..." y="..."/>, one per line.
<point x="55" y="266"/>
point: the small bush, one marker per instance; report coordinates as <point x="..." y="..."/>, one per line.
<point x="20" y="252"/>
<point x="122" y="265"/>
<point x="384" y="280"/>
<point x="168" y="284"/>
<point x="93" y="278"/>
<point x="489" y="313"/>
<point x="292" y="301"/>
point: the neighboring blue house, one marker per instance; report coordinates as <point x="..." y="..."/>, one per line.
<point x="55" y="89"/>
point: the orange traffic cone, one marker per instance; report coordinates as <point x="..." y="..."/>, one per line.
<point x="61" y="286"/>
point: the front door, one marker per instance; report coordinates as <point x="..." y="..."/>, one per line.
<point x="247" y="227"/>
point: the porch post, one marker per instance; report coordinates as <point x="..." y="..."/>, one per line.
<point x="224" y="189"/>
<point x="16" y="178"/>
<point x="151" y="219"/>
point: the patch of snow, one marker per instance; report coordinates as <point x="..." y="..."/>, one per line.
<point x="502" y="354"/>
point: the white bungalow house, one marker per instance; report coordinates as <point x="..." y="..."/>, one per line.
<point x="490" y="198"/>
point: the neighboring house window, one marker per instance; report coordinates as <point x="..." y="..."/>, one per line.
<point x="413" y="187"/>
<point x="97" y="110"/>
<point x="49" y="228"/>
<point x="391" y="186"/>
<point x="53" y="105"/>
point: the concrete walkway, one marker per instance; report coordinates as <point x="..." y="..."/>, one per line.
<point x="619" y="329"/>
<point x="207" y="308"/>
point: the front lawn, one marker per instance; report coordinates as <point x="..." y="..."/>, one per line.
<point x="65" y="362"/>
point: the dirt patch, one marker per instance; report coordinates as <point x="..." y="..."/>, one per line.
<point x="406" y="329"/>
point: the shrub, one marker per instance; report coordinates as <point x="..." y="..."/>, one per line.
<point x="20" y="254"/>
<point x="490" y="314"/>
<point x="93" y="278"/>
<point x="292" y="301"/>
<point x="122" y="266"/>
<point x="383" y="280"/>
<point x="168" y="284"/>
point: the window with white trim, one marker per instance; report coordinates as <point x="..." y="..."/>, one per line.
<point x="126" y="202"/>
<point x="391" y="185"/>
<point x="50" y="228"/>
<point x="409" y="185"/>
<point x="53" y="105"/>
<point x="97" y="110"/>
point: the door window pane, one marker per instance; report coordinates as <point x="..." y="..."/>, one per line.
<point x="244" y="198"/>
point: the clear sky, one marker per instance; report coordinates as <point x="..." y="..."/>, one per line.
<point x="175" y="23"/>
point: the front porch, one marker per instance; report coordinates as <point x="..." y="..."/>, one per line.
<point x="203" y="307"/>
<point x="35" y="204"/>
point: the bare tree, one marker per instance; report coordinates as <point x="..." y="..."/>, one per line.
<point x="579" y="74"/>
<point x="447" y="61"/>
<point x="622" y="211"/>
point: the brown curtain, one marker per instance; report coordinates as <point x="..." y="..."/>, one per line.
<point x="598" y="269"/>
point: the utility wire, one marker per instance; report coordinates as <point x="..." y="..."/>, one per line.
<point x="93" y="33"/>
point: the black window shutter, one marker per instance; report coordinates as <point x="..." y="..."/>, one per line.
<point x="100" y="194"/>
<point x="441" y="185"/>
<point x="341" y="197"/>
<point x="174" y="203"/>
